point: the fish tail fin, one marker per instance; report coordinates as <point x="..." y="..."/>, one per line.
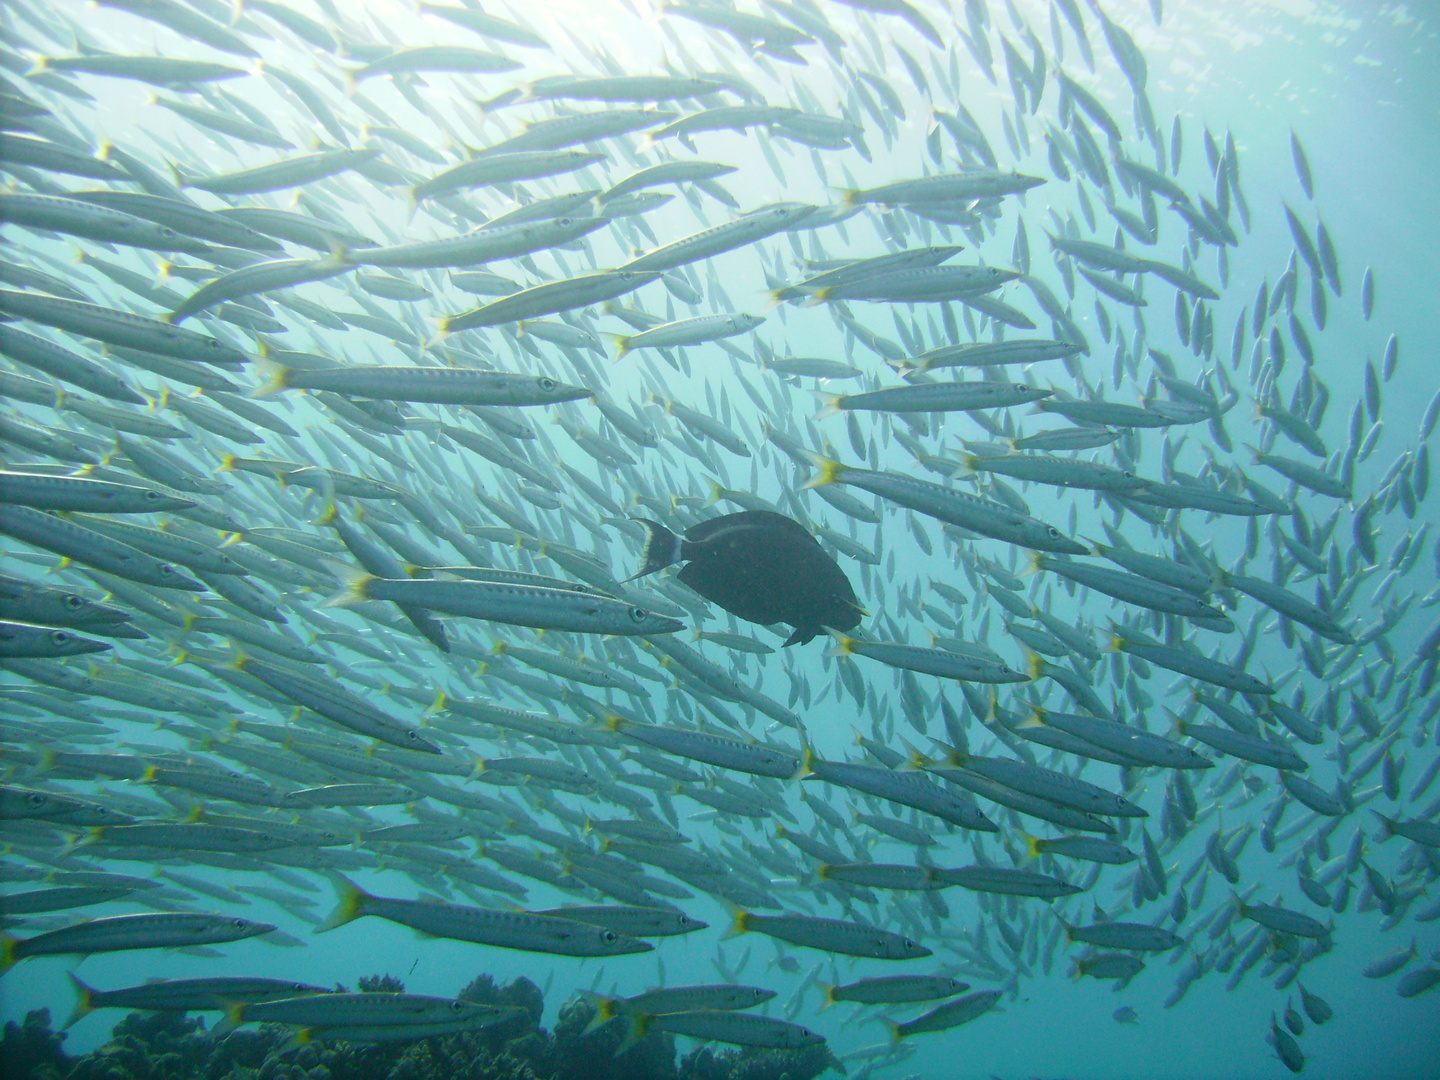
<point x="8" y="958"/>
<point x="355" y="584"/>
<point x="635" y="1031"/>
<point x="807" y="761"/>
<point x="897" y="1033"/>
<point x="84" y="1002"/>
<point x="623" y="345"/>
<point x="849" y="197"/>
<point x="831" y="472"/>
<point x="300" y="1039"/>
<point x="1387" y="826"/>
<point x="1033" y="846"/>
<point x="277" y="378"/>
<point x="844" y="646"/>
<point x="350" y="905"/>
<point x="830" y="404"/>
<point x="662" y="549"/>
<point x="1035" y="667"/>
<point x="819" y="296"/>
<point x="739" y="923"/>
<point x="606" y="1009"/>
<point x="234" y="1017"/>
<point x="829" y="996"/>
<point x="1037" y="563"/>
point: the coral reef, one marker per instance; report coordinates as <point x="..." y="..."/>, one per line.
<point x="31" y="1049"/>
<point x="173" y="1046"/>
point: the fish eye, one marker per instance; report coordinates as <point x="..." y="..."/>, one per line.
<point x="151" y="495"/>
<point x="73" y="602"/>
<point x="412" y="736"/>
<point x="1052" y="532"/>
<point x="565" y="223"/>
<point x="35" y="798"/>
<point x="638" y="614"/>
<point x="547" y="383"/>
<point x="239" y="924"/>
<point x="166" y="568"/>
<point x="608" y="937"/>
<point x="58" y="637"/>
<point x="456" y="1006"/>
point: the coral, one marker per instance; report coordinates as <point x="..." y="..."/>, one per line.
<point x="30" y="1050"/>
<point x="381" y="984"/>
<point x="172" y="1046"/>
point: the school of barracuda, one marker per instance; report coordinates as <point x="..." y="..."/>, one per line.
<point x="322" y="479"/>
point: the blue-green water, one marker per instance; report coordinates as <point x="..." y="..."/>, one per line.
<point x="1357" y="84"/>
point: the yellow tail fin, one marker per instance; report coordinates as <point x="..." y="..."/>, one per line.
<point x="349" y="907"/>
<point x="84" y="1002"/>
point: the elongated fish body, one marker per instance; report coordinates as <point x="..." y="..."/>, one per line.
<point x="483" y="926"/>
<point x="550" y="298"/>
<point x="335" y="704"/>
<point x="921" y="284"/>
<point x="712" y="749"/>
<point x="831" y="935"/>
<point x="1131" y="588"/>
<point x="120" y="328"/>
<point x="91" y="548"/>
<point x="441" y="386"/>
<point x="746" y="229"/>
<point x="939" y="662"/>
<point x="259" y="278"/>
<point x="896" y="989"/>
<point x="739" y="1029"/>
<point x="1123" y="739"/>
<point x="93" y="222"/>
<point x="694" y="331"/>
<point x="951" y="1014"/>
<point x="1065" y="816"/>
<point x="208" y="993"/>
<point x="121" y="933"/>
<point x="484" y="245"/>
<point x="906" y="789"/>
<point x="1124" y="935"/>
<point x="946" y="187"/>
<point x="46" y="492"/>
<point x="938" y="397"/>
<point x="946" y="504"/>
<point x="993" y="354"/>
<point x="287" y="173"/>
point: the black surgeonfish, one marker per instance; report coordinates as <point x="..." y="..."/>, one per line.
<point x="759" y="566"/>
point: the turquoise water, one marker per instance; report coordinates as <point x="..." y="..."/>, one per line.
<point x="1357" y="84"/>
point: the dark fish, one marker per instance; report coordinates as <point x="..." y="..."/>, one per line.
<point x="759" y="566"/>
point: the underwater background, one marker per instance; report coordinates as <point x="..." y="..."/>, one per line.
<point x="1358" y="85"/>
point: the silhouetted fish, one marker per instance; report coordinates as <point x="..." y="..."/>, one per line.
<point x="759" y="566"/>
